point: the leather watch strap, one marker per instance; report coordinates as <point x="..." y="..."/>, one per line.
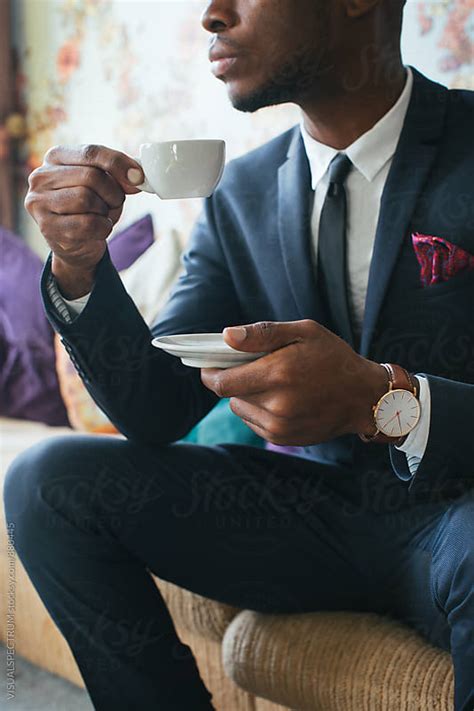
<point x="398" y="379"/>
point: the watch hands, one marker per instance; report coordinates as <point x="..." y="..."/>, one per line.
<point x="399" y="423"/>
<point x="397" y="414"/>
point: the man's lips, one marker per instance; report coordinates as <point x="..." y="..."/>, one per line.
<point x="222" y="59"/>
<point x="222" y="65"/>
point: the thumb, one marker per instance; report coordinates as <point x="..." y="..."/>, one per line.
<point x="265" y="336"/>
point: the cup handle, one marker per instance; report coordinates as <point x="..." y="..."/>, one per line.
<point x="145" y="186"/>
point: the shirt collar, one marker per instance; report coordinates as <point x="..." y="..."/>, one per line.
<point x="371" y="151"/>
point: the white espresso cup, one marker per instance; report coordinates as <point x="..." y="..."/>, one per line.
<point x="182" y="169"/>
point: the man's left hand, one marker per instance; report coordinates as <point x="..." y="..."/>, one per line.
<point x="310" y="387"/>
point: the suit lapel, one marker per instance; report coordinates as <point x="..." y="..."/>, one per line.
<point x="295" y="201"/>
<point x="411" y="165"/>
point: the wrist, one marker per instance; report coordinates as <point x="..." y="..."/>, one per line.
<point x="73" y="281"/>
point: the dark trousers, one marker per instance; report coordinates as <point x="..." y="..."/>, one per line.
<point x="90" y="516"/>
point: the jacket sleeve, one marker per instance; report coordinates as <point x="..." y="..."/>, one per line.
<point x="447" y="464"/>
<point x="148" y="395"/>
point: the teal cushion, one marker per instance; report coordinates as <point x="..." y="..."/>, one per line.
<point x="221" y="426"/>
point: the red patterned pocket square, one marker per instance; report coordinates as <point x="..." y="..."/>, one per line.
<point x="439" y="259"/>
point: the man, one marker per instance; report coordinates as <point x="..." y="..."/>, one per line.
<point x="341" y="245"/>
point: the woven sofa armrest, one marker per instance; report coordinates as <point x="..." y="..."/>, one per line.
<point x="327" y="661"/>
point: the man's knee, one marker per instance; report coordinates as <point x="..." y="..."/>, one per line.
<point x="38" y="476"/>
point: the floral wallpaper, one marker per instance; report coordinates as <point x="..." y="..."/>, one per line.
<point x="123" y="72"/>
<point x="456" y="45"/>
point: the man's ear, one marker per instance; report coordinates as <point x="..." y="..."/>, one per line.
<point x="359" y="8"/>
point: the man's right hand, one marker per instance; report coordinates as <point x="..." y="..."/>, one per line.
<point x="76" y="197"/>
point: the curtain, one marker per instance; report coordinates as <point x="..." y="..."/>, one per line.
<point x="6" y="109"/>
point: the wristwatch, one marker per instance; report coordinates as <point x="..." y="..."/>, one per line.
<point x="398" y="411"/>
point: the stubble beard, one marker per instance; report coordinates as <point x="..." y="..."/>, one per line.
<point x="296" y="80"/>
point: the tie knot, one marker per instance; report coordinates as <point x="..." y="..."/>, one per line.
<point x="338" y="171"/>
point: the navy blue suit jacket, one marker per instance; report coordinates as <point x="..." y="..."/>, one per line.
<point x="249" y="260"/>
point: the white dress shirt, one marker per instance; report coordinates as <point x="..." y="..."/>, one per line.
<point x="371" y="155"/>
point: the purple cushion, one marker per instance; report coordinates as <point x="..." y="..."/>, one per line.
<point x="126" y="246"/>
<point x="29" y="386"/>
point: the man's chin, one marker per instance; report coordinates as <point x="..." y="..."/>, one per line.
<point x="245" y="105"/>
<point x="252" y="101"/>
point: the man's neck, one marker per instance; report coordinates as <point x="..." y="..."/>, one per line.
<point x="341" y="119"/>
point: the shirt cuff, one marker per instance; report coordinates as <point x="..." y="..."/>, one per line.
<point x="415" y="444"/>
<point x="66" y="309"/>
<point x="76" y="306"/>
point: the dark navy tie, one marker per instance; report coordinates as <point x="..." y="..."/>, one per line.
<point x="332" y="260"/>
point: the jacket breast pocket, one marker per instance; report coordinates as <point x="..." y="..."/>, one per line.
<point x="462" y="281"/>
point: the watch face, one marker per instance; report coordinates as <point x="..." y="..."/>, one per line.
<point x="397" y="413"/>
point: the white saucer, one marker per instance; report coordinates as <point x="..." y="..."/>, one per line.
<point x="204" y="350"/>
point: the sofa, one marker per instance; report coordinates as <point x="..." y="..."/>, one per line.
<point x="337" y="661"/>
